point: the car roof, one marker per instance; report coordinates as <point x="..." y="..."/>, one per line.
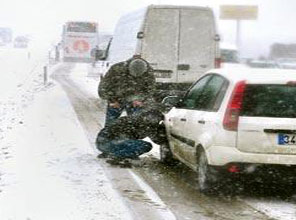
<point x="257" y="75"/>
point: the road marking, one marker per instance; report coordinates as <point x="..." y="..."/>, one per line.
<point x="164" y="211"/>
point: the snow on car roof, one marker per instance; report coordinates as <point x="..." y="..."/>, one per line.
<point x="257" y="75"/>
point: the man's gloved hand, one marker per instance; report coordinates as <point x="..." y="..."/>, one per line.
<point x="137" y="103"/>
<point x="114" y="104"/>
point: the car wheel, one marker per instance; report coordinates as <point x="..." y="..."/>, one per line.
<point x="207" y="175"/>
<point x="166" y="155"/>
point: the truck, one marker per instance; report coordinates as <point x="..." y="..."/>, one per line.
<point x="180" y="42"/>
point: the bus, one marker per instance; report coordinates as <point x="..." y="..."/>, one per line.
<point x="79" y="41"/>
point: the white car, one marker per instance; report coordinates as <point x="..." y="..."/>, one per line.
<point x="231" y="122"/>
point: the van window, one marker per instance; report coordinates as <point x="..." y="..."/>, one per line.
<point x="269" y="101"/>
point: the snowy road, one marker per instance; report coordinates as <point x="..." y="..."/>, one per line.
<point x="49" y="170"/>
<point x="90" y="111"/>
<point x="175" y="186"/>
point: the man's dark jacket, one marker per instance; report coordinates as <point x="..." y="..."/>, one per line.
<point x="119" y="85"/>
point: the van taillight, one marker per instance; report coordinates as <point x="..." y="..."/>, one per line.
<point x="218" y="62"/>
<point x="231" y="117"/>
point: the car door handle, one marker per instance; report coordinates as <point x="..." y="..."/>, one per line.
<point x="201" y="122"/>
<point x="183" y="119"/>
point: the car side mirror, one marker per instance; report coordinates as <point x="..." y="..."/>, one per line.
<point x="101" y="55"/>
<point x="171" y="101"/>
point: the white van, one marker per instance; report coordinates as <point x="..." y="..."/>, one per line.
<point x="180" y="42"/>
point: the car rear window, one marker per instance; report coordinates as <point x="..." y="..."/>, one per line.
<point x="269" y="101"/>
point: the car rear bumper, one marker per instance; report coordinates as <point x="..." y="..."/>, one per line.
<point x="220" y="156"/>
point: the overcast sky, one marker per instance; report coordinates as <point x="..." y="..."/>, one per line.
<point x="276" y="20"/>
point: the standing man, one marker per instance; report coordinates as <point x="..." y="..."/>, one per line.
<point x="128" y="86"/>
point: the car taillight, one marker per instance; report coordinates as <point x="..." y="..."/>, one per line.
<point x="218" y="62"/>
<point x="231" y="117"/>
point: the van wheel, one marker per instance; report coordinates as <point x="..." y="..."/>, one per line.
<point x="208" y="176"/>
<point x="166" y="155"/>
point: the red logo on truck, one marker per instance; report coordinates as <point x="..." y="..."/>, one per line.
<point x="81" y="46"/>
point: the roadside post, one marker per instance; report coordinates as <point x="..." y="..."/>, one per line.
<point x="57" y="53"/>
<point x="45" y="75"/>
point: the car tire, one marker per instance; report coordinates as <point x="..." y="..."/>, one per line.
<point x="166" y="155"/>
<point x="208" y="176"/>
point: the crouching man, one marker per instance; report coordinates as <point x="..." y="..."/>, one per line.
<point x="123" y="139"/>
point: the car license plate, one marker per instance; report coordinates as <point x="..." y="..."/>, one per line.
<point x="287" y="139"/>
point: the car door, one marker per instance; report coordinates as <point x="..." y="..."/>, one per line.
<point x="200" y="123"/>
<point x="177" y="119"/>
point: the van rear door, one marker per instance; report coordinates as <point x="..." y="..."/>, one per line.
<point x="160" y="42"/>
<point x="197" y="44"/>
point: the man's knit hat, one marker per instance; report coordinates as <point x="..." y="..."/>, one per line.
<point x="137" y="67"/>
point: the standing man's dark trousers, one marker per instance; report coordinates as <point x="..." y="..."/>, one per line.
<point x="122" y="148"/>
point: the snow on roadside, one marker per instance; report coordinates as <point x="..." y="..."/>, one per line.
<point x="18" y="78"/>
<point x="48" y="169"/>
<point x="16" y="67"/>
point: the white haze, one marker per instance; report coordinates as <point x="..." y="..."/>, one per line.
<point x="44" y="19"/>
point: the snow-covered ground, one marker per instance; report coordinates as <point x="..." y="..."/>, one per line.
<point x="47" y="168"/>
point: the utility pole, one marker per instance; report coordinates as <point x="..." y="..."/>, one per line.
<point x="238" y="13"/>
